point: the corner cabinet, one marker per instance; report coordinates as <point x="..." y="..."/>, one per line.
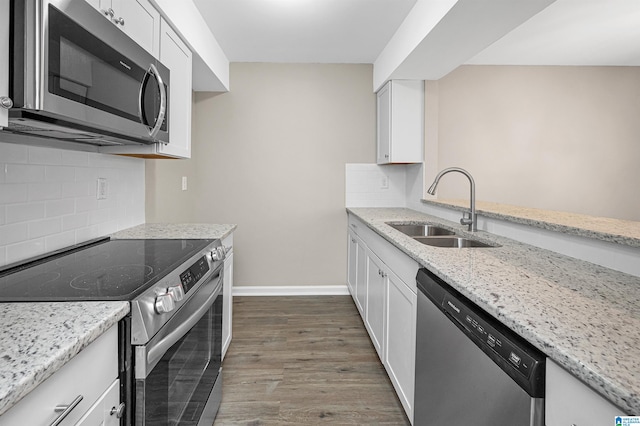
<point x="4" y="63"/>
<point x="400" y="122"/>
<point x="138" y="19"/>
<point x="92" y="393"/>
<point x="382" y="282"/>
<point x="227" y="295"/>
<point x="176" y="56"/>
<point x="569" y="402"/>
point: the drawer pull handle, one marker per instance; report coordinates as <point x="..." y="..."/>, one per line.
<point x="64" y="410"/>
<point x="118" y="411"/>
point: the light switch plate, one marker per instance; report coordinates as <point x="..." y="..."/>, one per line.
<point x="101" y="191"/>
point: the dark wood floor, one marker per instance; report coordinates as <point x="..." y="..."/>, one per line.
<point x="303" y="360"/>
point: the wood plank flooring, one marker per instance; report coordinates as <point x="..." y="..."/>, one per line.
<point x="304" y="360"/>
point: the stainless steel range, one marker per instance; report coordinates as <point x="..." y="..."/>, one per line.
<point x="170" y="343"/>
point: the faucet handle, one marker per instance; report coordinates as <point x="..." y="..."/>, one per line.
<point x="467" y="219"/>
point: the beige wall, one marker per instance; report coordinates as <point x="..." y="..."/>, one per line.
<point x="558" y="138"/>
<point x="270" y="156"/>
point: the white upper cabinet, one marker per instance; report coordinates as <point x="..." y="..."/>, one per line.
<point x="4" y="63"/>
<point x="176" y="56"/>
<point x="400" y="130"/>
<point x="137" y="18"/>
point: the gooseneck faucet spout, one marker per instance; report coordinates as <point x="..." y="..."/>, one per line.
<point x="472" y="220"/>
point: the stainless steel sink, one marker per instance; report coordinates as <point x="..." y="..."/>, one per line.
<point x="421" y="230"/>
<point x="453" y="241"/>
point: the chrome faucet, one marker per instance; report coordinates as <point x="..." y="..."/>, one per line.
<point x="472" y="220"/>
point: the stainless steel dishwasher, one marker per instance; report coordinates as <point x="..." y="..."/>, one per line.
<point x="471" y="369"/>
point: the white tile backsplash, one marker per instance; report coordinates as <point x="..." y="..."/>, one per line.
<point x="371" y="185"/>
<point x="48" y="198"/>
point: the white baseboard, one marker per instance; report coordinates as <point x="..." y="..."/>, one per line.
<point x="317" y="290"/>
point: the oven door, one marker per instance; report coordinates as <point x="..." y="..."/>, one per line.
<point x="177" y="374"/>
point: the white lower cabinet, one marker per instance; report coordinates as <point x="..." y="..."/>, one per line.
<point x="569" y="402"/>
<point x="376" y="291"/>
<point x="400" y="343"/>
<point x="227" y="296"/>
<point x="86" y="379"/>
<point x="382" y="282"/>
<point x="352" y="263"/>
<point x="357" y="272"/>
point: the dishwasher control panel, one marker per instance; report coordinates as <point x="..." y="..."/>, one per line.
<point x="487" y="335"/>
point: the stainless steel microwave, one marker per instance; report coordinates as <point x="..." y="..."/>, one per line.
<point x="76" y="77"/>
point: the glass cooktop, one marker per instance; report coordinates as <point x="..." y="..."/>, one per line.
<point x="109" y="270"/>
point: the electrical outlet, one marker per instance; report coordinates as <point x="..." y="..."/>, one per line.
<point x="384" y="182"/>
<point x="184" y="183"/>
<point x="101" y="189"/>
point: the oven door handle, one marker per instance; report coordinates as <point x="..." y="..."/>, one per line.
<point x="159" y="349"/>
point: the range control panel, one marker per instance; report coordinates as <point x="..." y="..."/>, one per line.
<point x="489" y="336"/>
<point x="191" y="276"/>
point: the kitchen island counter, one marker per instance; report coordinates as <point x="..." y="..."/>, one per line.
<point x="583" y="316"/>
<point x="37" y="339"/>
<point x="176" y="231"/>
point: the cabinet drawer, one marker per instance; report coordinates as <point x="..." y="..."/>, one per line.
<point x="88" y="374"/>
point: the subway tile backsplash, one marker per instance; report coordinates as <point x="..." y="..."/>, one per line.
<point x="48" y="198"/>
<point x="371" y="185"/>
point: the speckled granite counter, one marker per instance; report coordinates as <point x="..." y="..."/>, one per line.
<point x="176" y="231"/>
<point x="616" y="231"/>
<point x="36" y="339"/>
<point x="584" y="316"/>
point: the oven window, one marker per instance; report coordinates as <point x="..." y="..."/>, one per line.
<point x="178" y="387"/>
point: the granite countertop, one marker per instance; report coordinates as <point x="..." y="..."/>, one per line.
<point x="37" y="339"/>
<point x="583" y="316"/>
<point x="625" y="232"/>
<point x="176" y="231"/>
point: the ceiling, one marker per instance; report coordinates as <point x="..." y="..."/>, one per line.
<point x="568" y="32"/>
<point x="572" y="32"/>
<point x="303" y="31"/>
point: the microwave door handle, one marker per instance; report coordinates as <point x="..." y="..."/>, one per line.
<point x="163" y="100"/>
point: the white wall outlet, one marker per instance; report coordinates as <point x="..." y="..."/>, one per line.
<point x="384" y="182"/>
<point x="184" y="183"/>
<point x="101" y="189"/>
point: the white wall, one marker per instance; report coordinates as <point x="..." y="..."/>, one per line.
<point x="555" y="138"/>
<point x="270" y="157"/>
<point x="48" y="198"/>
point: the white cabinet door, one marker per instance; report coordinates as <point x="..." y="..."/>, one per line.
<point x="105" y="411"/>
<point x="569" y="402"/>
<point x="136" y="18"/>
<point x="352" y="264"/>
<point x="376" y="300"/>
<point x="400" y="344"/>
<point x="361" y="277"/>
<point x="140" y="21"/>
<point x="384" y="124"/>
<point x="176" y="56"/>
<point x="227" y="298"/>
<point x="4" y="61"/>
<point x="400" y="122"/>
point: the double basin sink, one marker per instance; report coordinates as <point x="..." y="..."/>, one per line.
<point x="436" y="236"/>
